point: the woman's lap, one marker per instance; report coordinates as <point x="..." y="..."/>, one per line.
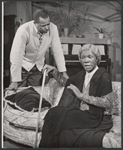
<point x="81" y="138"/>
<point x="85" y="137"/>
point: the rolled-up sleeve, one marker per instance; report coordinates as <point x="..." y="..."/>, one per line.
<point x="57" y="50"/>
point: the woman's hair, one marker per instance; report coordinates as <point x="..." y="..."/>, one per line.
<point x="93" y="49"/>
<point x="40" y="13"/>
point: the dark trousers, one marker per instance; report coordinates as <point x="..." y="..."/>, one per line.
<point x="31" y="78"/>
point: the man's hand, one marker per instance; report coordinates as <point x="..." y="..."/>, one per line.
<point x="13" y="86"/>
<point x="48" y="68"/>
<point x="65" y="75"/>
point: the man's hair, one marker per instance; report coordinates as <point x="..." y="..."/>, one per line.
<point x="40" y="13"/>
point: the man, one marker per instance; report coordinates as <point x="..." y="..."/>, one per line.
<point x="29" y="47"/>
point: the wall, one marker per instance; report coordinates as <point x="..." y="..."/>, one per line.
<point x="101" y="10"/>
<point x="115" y="48"/>
<point x="24" y="9"/>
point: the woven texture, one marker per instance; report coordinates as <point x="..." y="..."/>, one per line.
<point x="117" y="102"/>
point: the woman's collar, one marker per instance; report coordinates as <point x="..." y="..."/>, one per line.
<point x="93" y="71"/>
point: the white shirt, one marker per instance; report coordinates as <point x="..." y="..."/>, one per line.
<point x="27" y="51"/>
<point x="89" y="75"/>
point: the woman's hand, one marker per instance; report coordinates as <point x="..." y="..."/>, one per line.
<point x="76" y="91"/>
<point x="48" y="68"/>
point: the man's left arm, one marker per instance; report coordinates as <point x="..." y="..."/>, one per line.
<point x="58" y="51"/>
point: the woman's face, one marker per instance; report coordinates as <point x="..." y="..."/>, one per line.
<point x="88" y="60"/>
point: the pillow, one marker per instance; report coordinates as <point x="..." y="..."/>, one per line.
<point x="24" y="119"/>
<point x="116" y="129"/>
<point x="46" y="91"/>
<point x="27" y="120"/>
<point x="114" y="134"/>
<point x="56" y="91"/>
<point x="111" y="141"/>
<point x="57" y="95"/>
<point x="117" y="102"/>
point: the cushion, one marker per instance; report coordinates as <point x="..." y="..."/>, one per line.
<point x="113" y="138"/>
<point x="24" y="121"/>
<point x="111" y="141"/>
<point x="22" y="136"/>
<point x="20" y="126"/>
<point x="56" y="91"/>
<point x="23" y="118"/>
<point x="26" y="118"/>
<point x="116" y="129"/>
<point x="117" y="101"/>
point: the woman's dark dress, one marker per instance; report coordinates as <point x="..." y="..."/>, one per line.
<point x="67" y="126"/>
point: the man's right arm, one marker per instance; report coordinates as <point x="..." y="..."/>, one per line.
<point x="16" y="57"/>
<point x="60" y="78"/>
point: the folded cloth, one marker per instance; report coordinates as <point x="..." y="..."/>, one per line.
<point x="27" y="99"/>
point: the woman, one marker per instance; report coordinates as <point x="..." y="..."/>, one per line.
<point x="68" y="124"/>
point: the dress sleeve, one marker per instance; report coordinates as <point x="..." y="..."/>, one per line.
<point x="104" y="101"/>
<point x="105" y="95"/>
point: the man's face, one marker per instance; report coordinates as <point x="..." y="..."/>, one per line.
<point x="43" y="25"/>
<point x="88" y="60"/>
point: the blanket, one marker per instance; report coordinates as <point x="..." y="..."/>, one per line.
<point x="27" y="99"/>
